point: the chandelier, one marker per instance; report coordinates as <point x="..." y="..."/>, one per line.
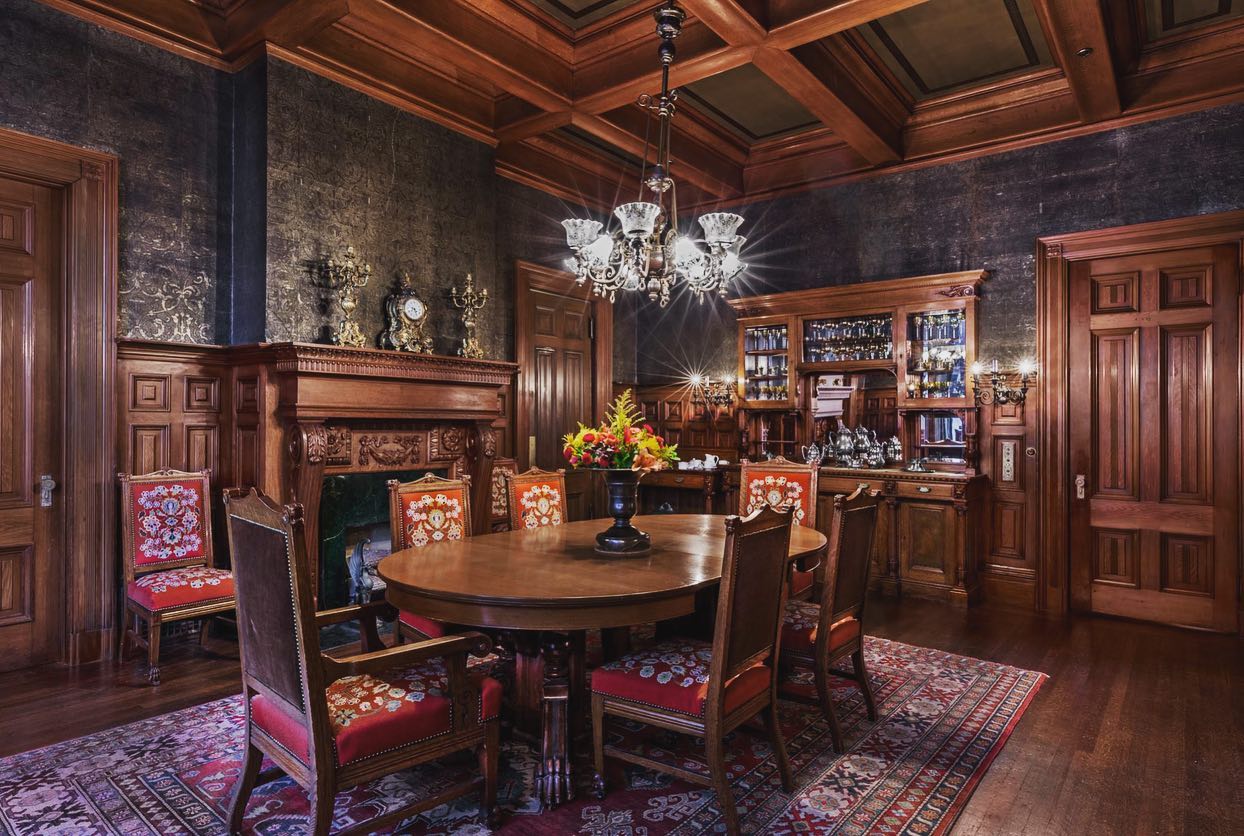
<point x="647" y="252"/>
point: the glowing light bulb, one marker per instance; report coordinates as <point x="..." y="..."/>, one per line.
<point x="1027" y="367"/>
<point x="696" y="379"/>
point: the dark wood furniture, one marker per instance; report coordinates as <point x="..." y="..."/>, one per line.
<point x="426" y="511"/>
<point x="686" y="491"/>
<point x="498" y="503"/>
<point x="548" y="585"/>
<point x="166" y="545"/>
<point x="679" y="413"/>
<point x="309" y="712"/>
<point x="778" y="483"/>
<point x="817" y="635"/>
<point x="724" y="683"/>
<point x="536" y="498"/>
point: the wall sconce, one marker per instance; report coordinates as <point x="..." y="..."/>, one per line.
<point x="999" y="390"/>
<point x="712" y="392"/>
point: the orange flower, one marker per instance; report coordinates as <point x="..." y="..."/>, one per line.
<point x="644" y="461"/>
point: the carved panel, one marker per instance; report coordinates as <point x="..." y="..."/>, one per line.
<point x="202" y="394"/>
<point x="16" y="585"/>
<point x="545" y="321"/>
<point x="651" y="410"/>
<point x="201" y="447"/>
<point x="1116" y="557"/>
<point x="16" y="228"/>
<point x="1009" y="463"/>
<point x="340" y="446"/>
<point x="446" y="443"/>
<point x="246" y="464"/>
<point x="149" y="392"/>
<point x="1186" y="463"/>
<point x="148" y="447"/>
<point x="16" y="474"/>
<point x="1008" y="530"/>
<point x="928" y="535"/>
<point x="1188" y="287"/>
<point x="1117" y="293"/>
<point x="1188" y="564"/>
<point x="673" y="411"/>
<point x="390" y="450"/>
<point x="1115" y="410"/>
<point x="248" y="394"/>
<point x="574" y="327"/>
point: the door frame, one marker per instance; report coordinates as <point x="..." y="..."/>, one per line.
<point x="87" y="180"/>
<point x="530" y="276"/>
<point x="1054" y="256"/>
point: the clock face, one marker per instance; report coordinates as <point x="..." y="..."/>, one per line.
<point x="414" y="309"/>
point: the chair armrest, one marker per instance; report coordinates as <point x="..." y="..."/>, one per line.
<point x="372" y="609"/>
<point x="476" y="644"/>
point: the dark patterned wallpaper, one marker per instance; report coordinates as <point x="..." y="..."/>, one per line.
<point x="71" y="81"/>
<point x="981" y="213"/>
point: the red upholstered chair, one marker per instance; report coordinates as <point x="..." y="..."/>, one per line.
<point x="817" y="635"/>
<point x="427" y="510"/>
<point x="332" y="723"/>
<point x="536" y="498"/>
<point x="499" y="503"/>
<point x="166" y="525"/>
<point x="709" y="689"/>
<point x="776" y="483"/>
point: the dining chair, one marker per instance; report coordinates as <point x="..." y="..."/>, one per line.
<point x="779" y="482"/>
<point x="819" y="634"/>
<point x="166" y="544"/>
<point x="498" y="502"/>
<point x="333" y="723"/>
<point x="708" y="689"/>
<point x="536" y="498"/>
<point x="425" y="511"/>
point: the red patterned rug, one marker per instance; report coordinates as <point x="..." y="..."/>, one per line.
<point x="943" y="718"/>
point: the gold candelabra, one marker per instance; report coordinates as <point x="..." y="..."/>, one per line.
<point x="346" y="276"/>
<point x="469" y="301"/>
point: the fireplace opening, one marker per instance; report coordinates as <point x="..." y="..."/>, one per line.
<point x="354" y="527"/>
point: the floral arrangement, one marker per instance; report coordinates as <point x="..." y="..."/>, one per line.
<point x="620" y="441"/>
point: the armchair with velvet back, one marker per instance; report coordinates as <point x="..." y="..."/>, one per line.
<point x="779" y="483"/>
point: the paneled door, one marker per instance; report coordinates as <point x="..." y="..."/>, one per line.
<point x="560" y="366"/>
<point x="1154" y="418"/>
<point x="30" y="414"/>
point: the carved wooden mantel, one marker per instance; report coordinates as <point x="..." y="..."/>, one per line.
<point x="350" y="410"/>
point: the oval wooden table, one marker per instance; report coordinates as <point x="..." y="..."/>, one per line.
<point x="547" y="586"/>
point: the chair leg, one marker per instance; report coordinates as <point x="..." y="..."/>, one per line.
<point x="778" y="745"/>
<point x="861" y="674"/>
<point x="322" y="808"/>
<point x="153" y="651"/>
<point x="821" y="675"/>
<point x="125" y="633"/>
<point x="204" y="625"/>
<point x="246" y="785"/>
<point x="489" y="755"/>
<point x="721" y="782"/>
<point x="598" y="745"/>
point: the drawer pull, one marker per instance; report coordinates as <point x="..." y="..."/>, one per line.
<point x="679" y="479"/>
<point x="924" y="489"/>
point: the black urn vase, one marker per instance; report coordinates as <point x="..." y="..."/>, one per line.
<point x="622" y="538"/>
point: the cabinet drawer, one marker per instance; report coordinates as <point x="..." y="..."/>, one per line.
<point x="847" y="485"/>
<point x="676" y="480"/>
<point x="924" y="490"/>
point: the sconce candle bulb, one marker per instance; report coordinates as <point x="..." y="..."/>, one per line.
<point x="998" y="390"/>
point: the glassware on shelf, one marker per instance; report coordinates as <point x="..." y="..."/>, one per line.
<point x="937" y="354"/>
<point x="849" y="339"/>
<point x="765" y="366"/>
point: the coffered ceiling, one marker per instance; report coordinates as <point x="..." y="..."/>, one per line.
<point x="776" y="95"/>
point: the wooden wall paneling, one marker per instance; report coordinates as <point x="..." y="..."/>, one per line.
<point x="1008" y="571"/>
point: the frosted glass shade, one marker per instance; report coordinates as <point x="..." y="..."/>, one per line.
<point x="580" y="232"/>
<point x="600" y="249"/>
<point x="637" y="219"/>
<point x="731" y="264"/>
<point x="720" y="227"/>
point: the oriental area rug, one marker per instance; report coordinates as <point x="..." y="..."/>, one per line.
<point x="942" y="720"/>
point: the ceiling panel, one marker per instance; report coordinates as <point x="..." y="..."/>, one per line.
<point x="747" y="102"/>
<point x="579" y="13"/>
<point x="946" y="45"/>
<point x="1166" y="17"/>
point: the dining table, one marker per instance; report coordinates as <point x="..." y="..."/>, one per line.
<point x="543" y="588"/>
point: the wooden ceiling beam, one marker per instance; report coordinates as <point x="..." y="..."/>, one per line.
<point x="873" y="138"/>
<point x="794" y="23"/>
<point x="288" y="23"/>
<point x="1076" y="32"/>
<point x="730" y="19"/>
<point x="540" y="123"/>
<point x="456" y="36"/>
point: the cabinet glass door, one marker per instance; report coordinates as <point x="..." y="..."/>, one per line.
<point x="937" y="354"/>
<point x="766" y="363"/>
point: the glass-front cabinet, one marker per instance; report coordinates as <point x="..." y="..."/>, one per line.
<point x="936" y="352"/>
<point x="765" y="373"/>
<point x="850" y="340"/>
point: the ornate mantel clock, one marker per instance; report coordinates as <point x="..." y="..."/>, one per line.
<point x="407" y="314"/>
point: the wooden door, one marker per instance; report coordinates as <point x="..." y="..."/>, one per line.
<point x="927" y="535"/>
<point x="30" y="429"/>
<point x="564" y="361"/>
<point x="1154" y="432"/>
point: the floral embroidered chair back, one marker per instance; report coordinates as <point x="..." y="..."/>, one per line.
<point x="499" y="504"/>
<point x="777" y="483"/>
<point x="537" y="498"/>
<point x="429" y="510"/>
<point x="166" y="520"/>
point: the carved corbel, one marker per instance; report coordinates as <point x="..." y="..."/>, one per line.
<point x="307" y="445"/>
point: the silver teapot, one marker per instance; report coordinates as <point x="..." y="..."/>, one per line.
<point x="811" y="453"/>
<point x="844" y="445"/>
<point x="893" y="450"/>
<point x="875" y="457"/>
<point x="864" y="439"/>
